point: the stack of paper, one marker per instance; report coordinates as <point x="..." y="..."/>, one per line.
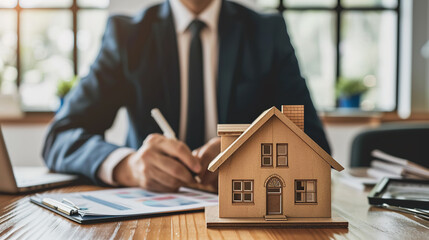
<point x="385" y="165"/>
<point x="356" y="177"/>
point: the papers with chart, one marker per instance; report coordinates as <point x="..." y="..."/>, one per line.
<point x="134" y="201"/>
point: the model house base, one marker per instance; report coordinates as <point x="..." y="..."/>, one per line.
<point x="214" y="221"/>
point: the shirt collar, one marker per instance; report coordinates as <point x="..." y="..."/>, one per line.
<point x="183" y="17"/>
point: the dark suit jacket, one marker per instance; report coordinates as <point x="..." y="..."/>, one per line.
<point x="137" y="68"/>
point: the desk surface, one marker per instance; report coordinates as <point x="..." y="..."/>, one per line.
<point x="20" y="219"/>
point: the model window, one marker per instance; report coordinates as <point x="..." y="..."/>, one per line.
<point x="267" y="154"/>
<point x="305" y="191"/>
<point x="242" y="191"/>
<point x="282" y="153"/>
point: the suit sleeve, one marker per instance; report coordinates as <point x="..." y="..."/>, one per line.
<point x="291" y="88"/>
<point x="75" y="141"/>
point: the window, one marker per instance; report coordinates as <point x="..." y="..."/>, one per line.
<point x="45" y="41"/>
<point x="282" y="153"/>
<point x="305" y="191"/>
<point x="266" y="154"/>
<point x="242" y="191"/>
<point x="347" y="39"/>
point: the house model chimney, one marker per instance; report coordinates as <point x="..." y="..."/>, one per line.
<point x="295" y="113"/>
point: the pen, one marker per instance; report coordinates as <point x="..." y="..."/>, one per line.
<point x="72" y="204"/>
<point x="59" y="206"/>
<point x="169" y="133"/>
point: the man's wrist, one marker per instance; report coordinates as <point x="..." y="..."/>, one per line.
<point x="122" y="173"/>
<point x="105" y="172"/>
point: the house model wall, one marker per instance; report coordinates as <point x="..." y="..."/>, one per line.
<point x="272" y="167"/>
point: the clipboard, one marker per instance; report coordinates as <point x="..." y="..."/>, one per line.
<point x="405" y="193"/>
<point x="76" y="217"/>
<point x="100" y="219"/>
<point x="130" y="203"/>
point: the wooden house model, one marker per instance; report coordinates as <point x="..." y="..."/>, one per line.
<point x="271" y="171"/>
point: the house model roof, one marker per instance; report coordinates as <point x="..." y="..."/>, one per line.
<point x="259" y="122"/>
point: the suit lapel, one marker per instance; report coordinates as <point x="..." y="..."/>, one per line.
<point x="230" y="32"/>
<point x="166" y="42"/>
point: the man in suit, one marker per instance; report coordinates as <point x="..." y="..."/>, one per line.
<point x="201" y="62"/>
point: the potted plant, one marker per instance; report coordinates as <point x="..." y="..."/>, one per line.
<point x="64" y="86"/>
<point x="349" y="92"/>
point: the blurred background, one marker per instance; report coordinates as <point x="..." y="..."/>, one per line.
<point x="366" y="62"/>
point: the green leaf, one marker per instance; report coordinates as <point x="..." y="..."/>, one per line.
<point x="350" y="87"/>
<point x="64" y="86"/>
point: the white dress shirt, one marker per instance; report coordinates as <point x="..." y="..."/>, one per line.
<point x="209" y="36"/>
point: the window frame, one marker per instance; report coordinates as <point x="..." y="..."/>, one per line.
<point x="282" y="8"/>
<point x="243" y="191"/>
<point x="338" y="9"/>
<point x="74" y="8"/>
<point x="263" y="155"/>
<point x="281" y="155"/>
<point x="305" y="191"/>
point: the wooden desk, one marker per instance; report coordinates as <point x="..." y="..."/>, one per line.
<point x="20" y="219"/>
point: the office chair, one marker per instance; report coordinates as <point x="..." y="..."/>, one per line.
<point x="404" y="140"/>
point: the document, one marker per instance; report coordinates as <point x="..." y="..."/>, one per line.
<point x="405" y="167"/>
<point x="132" y="201"/>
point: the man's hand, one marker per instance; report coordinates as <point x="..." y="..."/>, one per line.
<point x="159" y="165"/>
<point x="206" y="154"/>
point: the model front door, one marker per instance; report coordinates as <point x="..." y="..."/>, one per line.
<point x="274" y="197"/>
